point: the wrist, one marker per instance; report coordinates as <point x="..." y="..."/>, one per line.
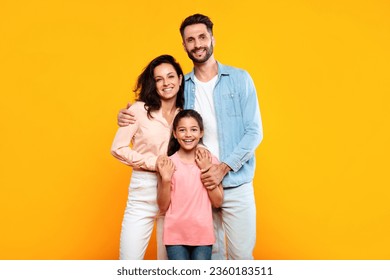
<point x="166" y="179"/>
<point x="211" y="188"/>
<point x="225" y="168"/>
<point x="204" y="170"/>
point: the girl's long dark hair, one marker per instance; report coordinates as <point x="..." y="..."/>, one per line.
<point x="173" y="145"/>
<point x="145" y="88"/>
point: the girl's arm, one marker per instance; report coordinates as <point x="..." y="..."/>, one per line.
<point x="216" y="196"/>
<point x="204" y="161"/>
<point x="165" y="170"/>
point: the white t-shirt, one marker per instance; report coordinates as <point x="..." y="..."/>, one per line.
<point x="204" y="105"/>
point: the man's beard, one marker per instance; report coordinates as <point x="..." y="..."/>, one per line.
<point x="209" y="52"/>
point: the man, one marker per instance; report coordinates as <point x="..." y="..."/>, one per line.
<point x="226" y="98"/>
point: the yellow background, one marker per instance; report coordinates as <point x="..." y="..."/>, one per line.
<point x="322" y="73"/>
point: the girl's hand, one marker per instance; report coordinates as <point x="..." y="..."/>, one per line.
<point x="203" y="159"/>
<point x="165" y="167"/>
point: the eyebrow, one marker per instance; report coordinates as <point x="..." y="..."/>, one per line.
<point x="167" y="74"/>
<point x="195" y="126"/>
<point x="201" y="34"/>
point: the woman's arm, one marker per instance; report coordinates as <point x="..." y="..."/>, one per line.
<point x="121" y="149"/>
<point x="125" y="117"/>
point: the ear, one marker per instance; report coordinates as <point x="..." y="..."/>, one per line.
<point x="213" y="40"/>
<point x="181" y="79"/>
<point x="174" y="134"/>
<point x="201" y="134"/>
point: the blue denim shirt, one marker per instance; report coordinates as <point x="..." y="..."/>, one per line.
<point x="238" y="120"/>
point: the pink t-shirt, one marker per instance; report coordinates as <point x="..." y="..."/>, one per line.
<point x="188" y="220"/>
<point x="148" y="139"/>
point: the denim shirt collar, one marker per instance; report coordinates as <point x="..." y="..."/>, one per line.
<point x="222" y="71"/>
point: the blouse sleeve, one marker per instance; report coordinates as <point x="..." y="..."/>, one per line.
<point x="121" y="149"/>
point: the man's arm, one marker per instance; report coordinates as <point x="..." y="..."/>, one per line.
<point x="125" y="117"/>
<point x="252" y="124"/>
<point x="214" y="175"/>
<point x="253" y="134"/>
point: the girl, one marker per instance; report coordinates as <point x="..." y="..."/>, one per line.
<point x="160" y="90"/>
<point x="187" y="204"/>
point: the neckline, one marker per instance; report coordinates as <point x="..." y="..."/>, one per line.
<point x="160" y="115"/>
<point x="212" y="80"/>
<point x="182" y="161"/>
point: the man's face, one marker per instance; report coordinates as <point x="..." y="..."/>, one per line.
<point x="198" y="43"/>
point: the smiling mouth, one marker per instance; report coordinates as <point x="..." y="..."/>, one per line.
<point x="199" y="52"/>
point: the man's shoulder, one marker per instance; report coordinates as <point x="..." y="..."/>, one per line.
<point x="188" y="75"/>
<point x="228" y="69"/>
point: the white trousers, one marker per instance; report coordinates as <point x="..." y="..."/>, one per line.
<point x="139" y="218"/>
<point x="235" y="224"/>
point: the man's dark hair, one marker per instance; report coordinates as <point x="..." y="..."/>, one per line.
<point x="195" y="19"/>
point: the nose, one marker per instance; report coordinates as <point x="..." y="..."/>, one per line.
<point x="197" y="43"/>
<point x="165" y="81"/>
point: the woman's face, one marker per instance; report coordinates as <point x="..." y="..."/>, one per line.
<point x="167" y="81"/>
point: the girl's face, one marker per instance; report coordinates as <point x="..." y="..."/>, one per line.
<point x="167" y="81"/>
<point x="188" y="133"/>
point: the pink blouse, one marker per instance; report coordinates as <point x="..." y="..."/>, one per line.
<point x="148" y="139"/>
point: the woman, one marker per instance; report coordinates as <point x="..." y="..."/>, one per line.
<point x="160" y="96"/>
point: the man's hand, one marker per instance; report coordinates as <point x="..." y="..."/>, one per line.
<point x="125" y="117"/>
<point x="214" y="175"/>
